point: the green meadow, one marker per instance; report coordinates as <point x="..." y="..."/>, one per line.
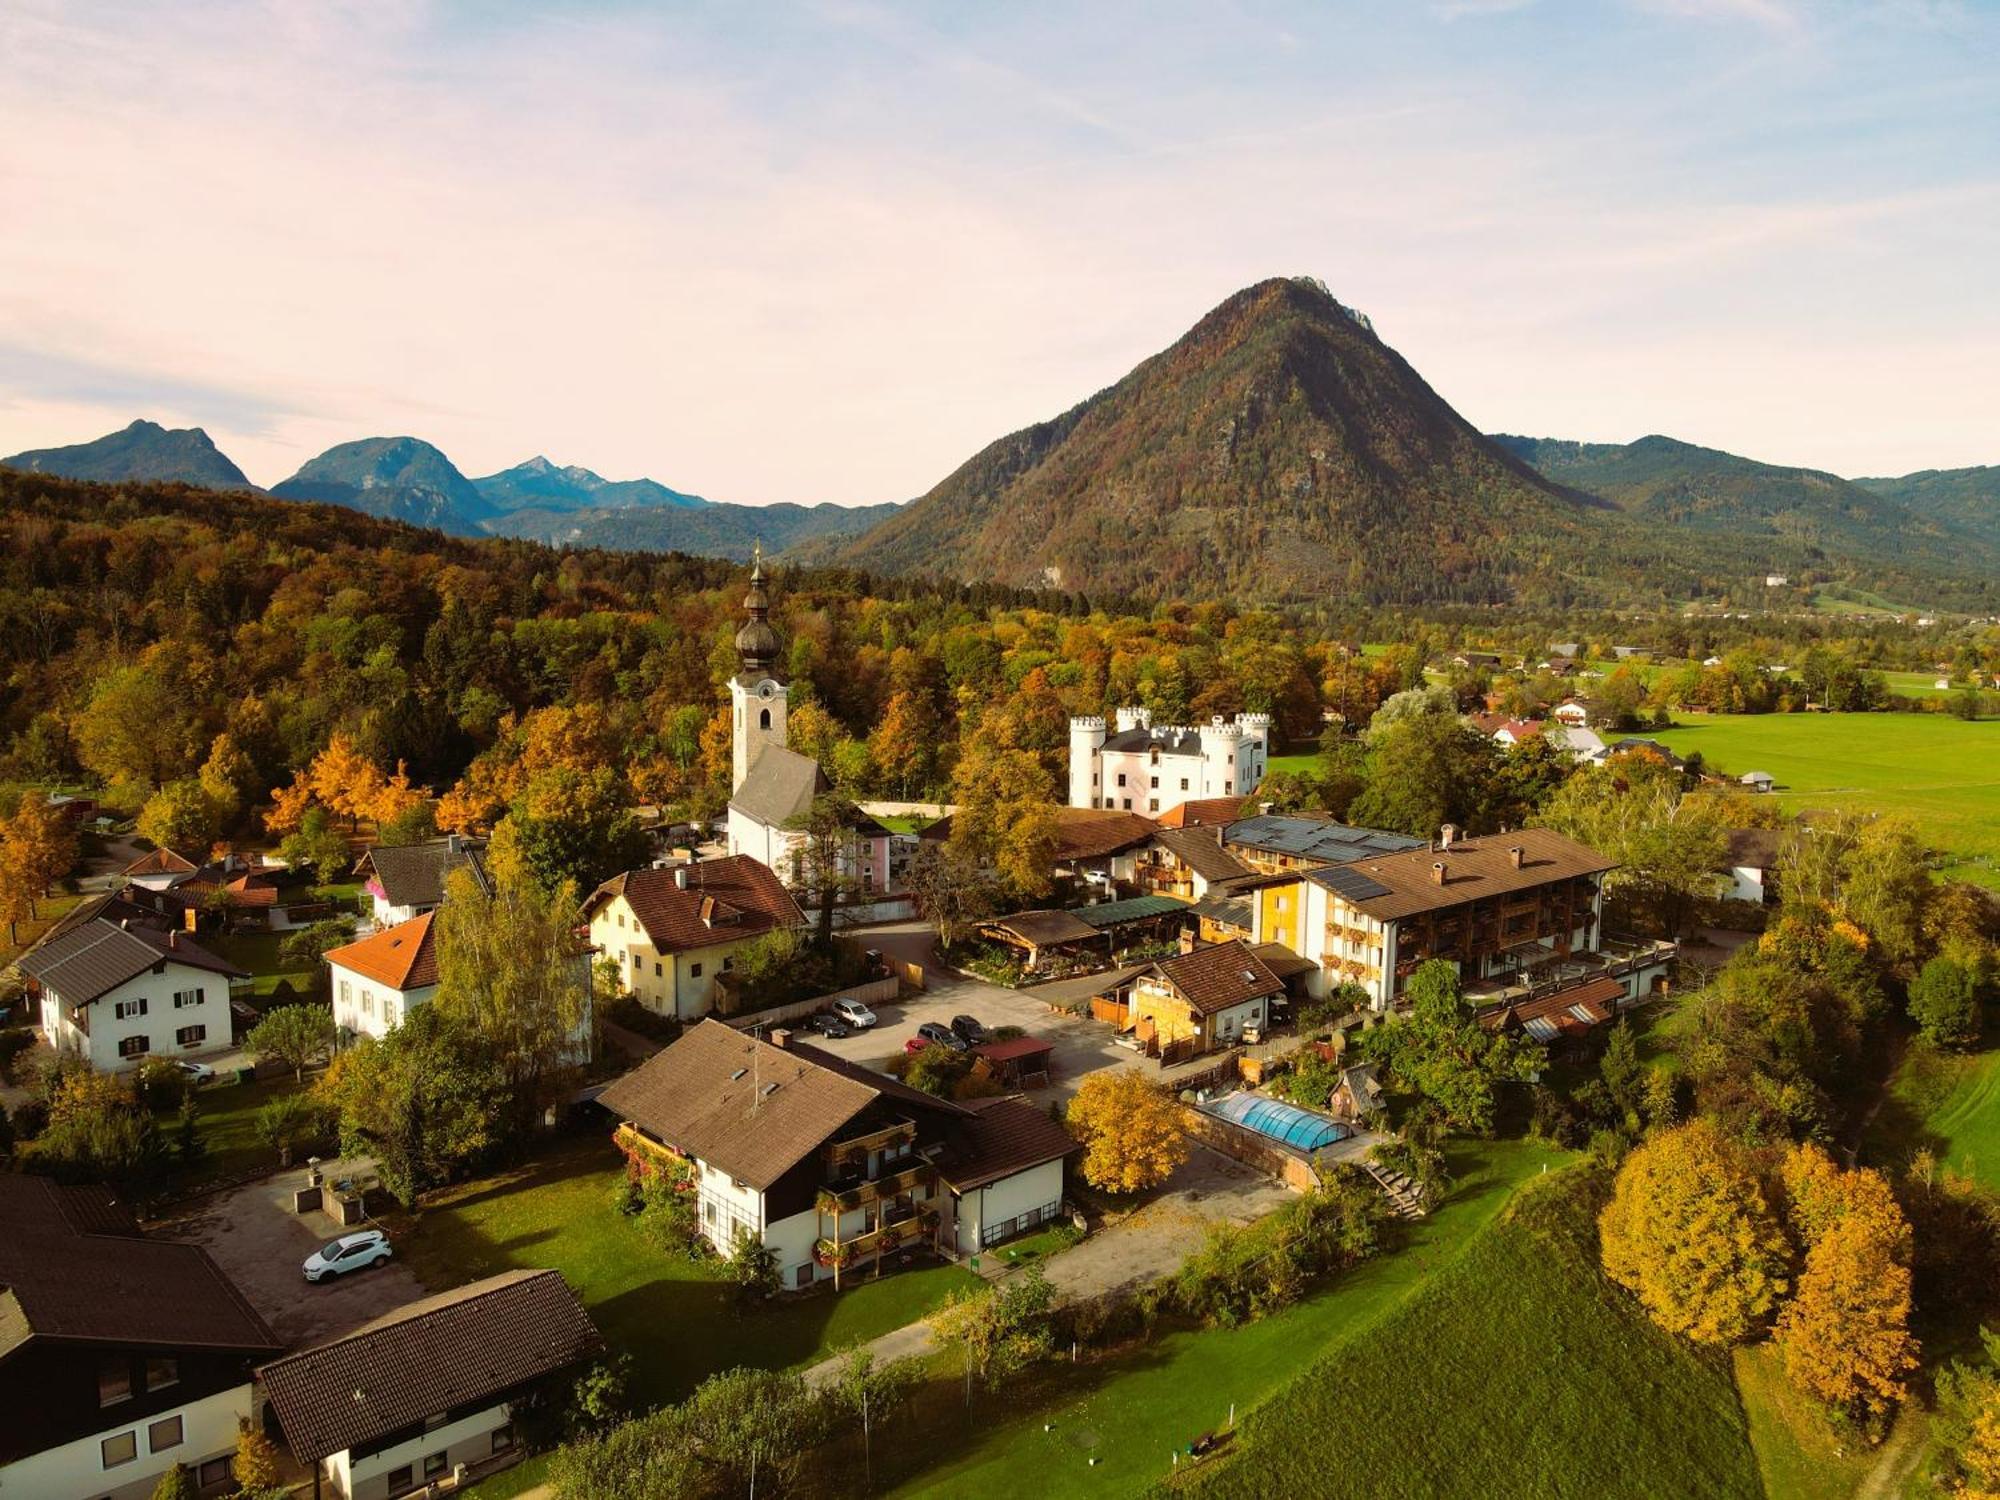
<point x="1943" y="772"/>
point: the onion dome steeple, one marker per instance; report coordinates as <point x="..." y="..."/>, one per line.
<point x="757" y="642"/>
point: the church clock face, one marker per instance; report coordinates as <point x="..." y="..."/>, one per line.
<point x="766" y="689"/>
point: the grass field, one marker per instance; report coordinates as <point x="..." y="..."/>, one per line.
<point x="1130" y="1413"/>
<point x="674" y="1317"/>
<point x="1946" y="1102"/>
<point x="1943" y="772"/>
<point x="229" y="1129"/>
<point x="48" y="911"/>
<point x="1517" y="1370"/>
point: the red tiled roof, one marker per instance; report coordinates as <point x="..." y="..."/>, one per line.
<point x="1203" y="812"/>
<point x="403" y="957"/>
<point x="1595" y="996"/>
<point x="161" y="862"/>
<point x="724" y="899"/>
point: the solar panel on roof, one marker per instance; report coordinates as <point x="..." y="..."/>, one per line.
<point x="1355" y="885"/>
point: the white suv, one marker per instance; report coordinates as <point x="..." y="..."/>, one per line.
<point x="368" y="1247"/>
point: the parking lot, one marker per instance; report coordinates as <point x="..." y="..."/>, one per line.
<point x="1081" y="1045"/>
<point x="261" y="1244"/>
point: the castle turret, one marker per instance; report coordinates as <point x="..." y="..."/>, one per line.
<point x="1086" y="739"/>
<point x="1134" y="718"/>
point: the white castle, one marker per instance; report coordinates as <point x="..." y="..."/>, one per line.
<point x="1150" y="769"/>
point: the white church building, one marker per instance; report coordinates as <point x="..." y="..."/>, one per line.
<point x="1149" y="769"/>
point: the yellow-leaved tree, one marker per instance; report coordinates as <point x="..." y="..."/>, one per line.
<point x="1689" y="1232"/>
<point x="1845" y="1336"/>
<point x="1132" y="1133"/>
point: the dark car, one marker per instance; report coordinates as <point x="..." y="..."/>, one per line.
<point x="944" y="1036"/>
<point x="829" y="1026"/>
<point x="969" y="1029"/>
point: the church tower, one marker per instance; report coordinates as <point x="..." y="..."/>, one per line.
<point x="757" y="693"/>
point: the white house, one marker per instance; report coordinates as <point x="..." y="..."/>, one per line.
<point x="118" y="992"/>
<point x="673" y="932"/>
<point x="1148" y="770"/>
<point x="1759" y="781"/>
<point x="379" y="979"/>
<point x="1752" y="862"/>
<point x="408" y="1400"/>
<point x="831" y="1165"/>
<point x="408" y="880"/>
<point x="120" y="1356"/>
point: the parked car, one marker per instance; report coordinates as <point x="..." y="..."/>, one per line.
<point x="196" y="1073"/>
<point x="944" y="1036"/>
<point x="914" y="1044"/>
<point x="830" y="1026"/>
<point x="366" y="1247"/>
<point x="969" y="1029"/>
<point x="854" y="1013"/>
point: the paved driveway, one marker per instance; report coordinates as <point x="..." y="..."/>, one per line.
<point x="259" y="1243"/>
<point x="1081" y="1045"/>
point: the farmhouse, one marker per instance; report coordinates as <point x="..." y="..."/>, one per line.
<point x="411" y="1399"/>
<point x="672" y="932"/>
<point x="120" y="1355"/>
<point x="117" y="992"/>
<point x="1751" y="862"/>
<point x="1143" y="768"/>
<point x="831" y="1165"/>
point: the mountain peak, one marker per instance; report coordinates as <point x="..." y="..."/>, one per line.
<point x="1277" y="450"/>
<point x="141" y="450"/>
<point x="402" y="478"/>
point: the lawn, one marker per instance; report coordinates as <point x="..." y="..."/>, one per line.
<point x="675" y="1318"/>
<point x="1130" y="1413"/>
<point x="258" y="952"/>
<point x="1516" y="1369"/>
<point x="228" y="1127"/>
<point x="1946" y="1102"/>
<point x="1943" y="772"/>
<point x="28" y="931"/>
<point x="1798" y="1453"/>
<point x="1292" y="765"/>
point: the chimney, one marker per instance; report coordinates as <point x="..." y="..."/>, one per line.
<point x="1187" y="943"/>
<point x="1437" y="872"/>
<point x="681" y="877"/>
<point x="451" y="844"/>
<point x="1447" y="835"/>
<point x="1265" y="808"/>
<point x="781" y="1036"/>
<point x="173" y="939"/>
<point x="1514" y="856"/>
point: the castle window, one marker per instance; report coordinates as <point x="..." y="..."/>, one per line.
<point x="763" y="718"/>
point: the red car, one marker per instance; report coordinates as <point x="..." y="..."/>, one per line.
<point x="915" y="1044"/>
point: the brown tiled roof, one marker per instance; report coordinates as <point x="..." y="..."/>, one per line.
<point x="1004" y="1136"/>
<point x="1218" y="976"/>
<point x="74" y="1267"/>
<point x="459" y="1349"/>
<point x="728" y="898"/>
<point x="1474" y="870"/>
<point x="244" y="890"/>
<point x="1014" y="1048"/>
<point x="1281" y="961"/>
<point x="1753" y="848"/>
<point x="415" y="874"/>
<point x="1200" y="849"/>
<point x="1093" y="833"/>
<point x="161" y="862"/>
<point x="1595" y="997"/>
<point x="403" y="957"/>
<point x="89" y="960"/>
<point x="1043" y="929"/>
<point x="1204" y="812"/>
<point x="743" y="1106"/>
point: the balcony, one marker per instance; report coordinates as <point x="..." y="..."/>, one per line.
<point x="839" y="1153"/>
<point x="1536" y="971"/>
<point x="913" y="1227"/>
<point x="850" y="1193"/>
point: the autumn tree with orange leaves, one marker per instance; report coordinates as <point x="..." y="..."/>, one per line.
<point x="1132" y="1132"/>
<point x="1691" y="1234"/>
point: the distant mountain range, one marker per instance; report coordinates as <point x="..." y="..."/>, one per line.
<point x="1280" y="451"/>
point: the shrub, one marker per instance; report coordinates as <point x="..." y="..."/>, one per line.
<point x="1944" y="1002"/>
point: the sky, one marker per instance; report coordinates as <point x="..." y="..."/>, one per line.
<point x="827" y="251"/>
